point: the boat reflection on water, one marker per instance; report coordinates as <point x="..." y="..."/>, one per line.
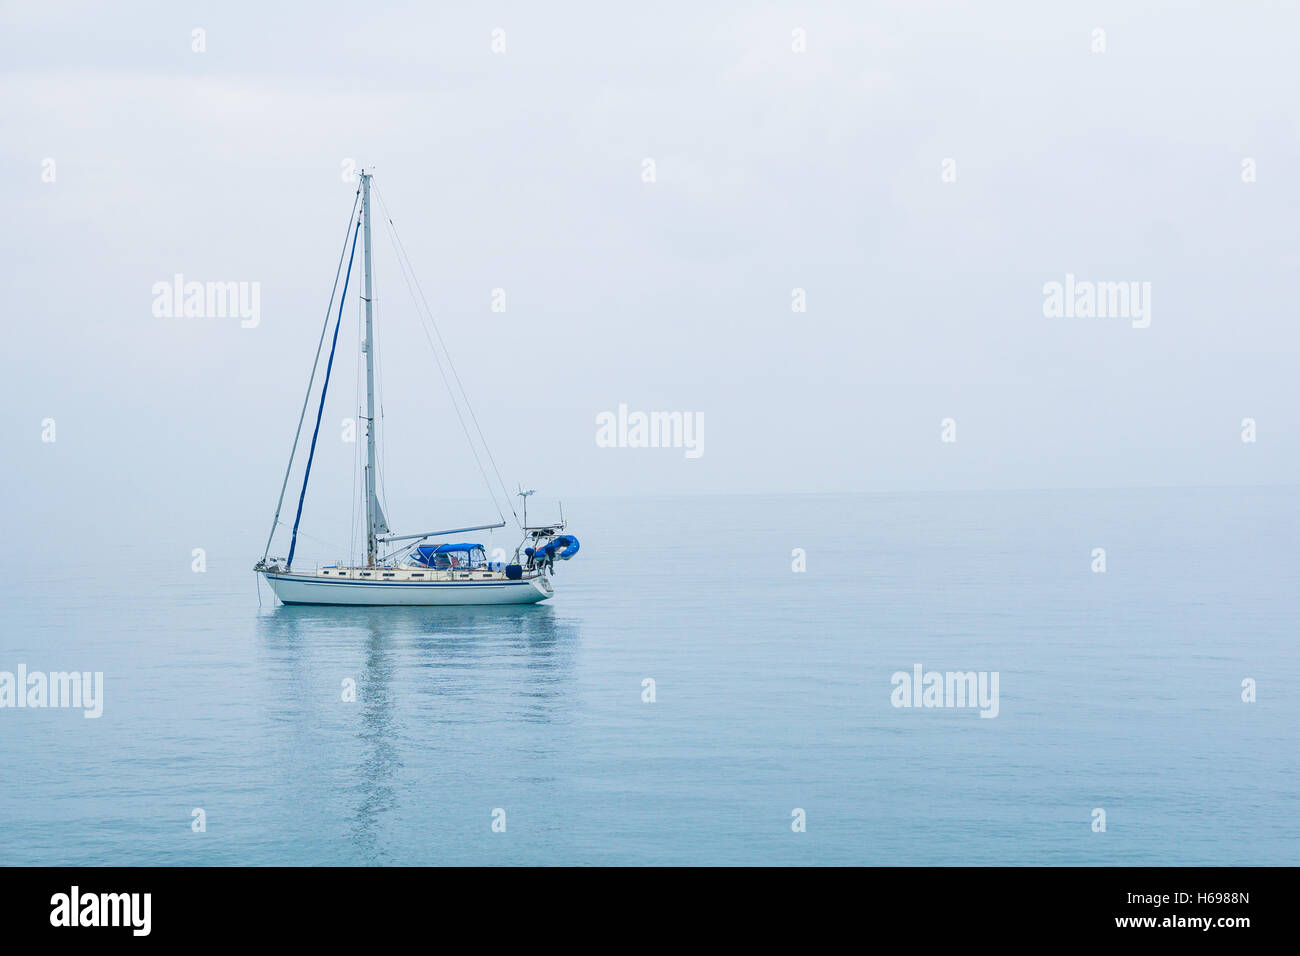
<point x="427" y="686"/>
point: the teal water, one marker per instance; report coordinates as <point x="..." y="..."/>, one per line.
<point x="1119" y="691"/>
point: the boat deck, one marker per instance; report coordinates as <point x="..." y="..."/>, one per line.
<point x="406" y="573"/>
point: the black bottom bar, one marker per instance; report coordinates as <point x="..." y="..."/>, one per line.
<point x="1223" y="905"/>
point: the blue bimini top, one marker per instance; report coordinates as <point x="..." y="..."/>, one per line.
<point x="444" y="557"/>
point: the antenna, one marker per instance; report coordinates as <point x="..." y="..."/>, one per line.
<point x="524" y="495"/>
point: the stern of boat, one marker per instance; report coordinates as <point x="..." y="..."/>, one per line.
<point x="542" y="583"/>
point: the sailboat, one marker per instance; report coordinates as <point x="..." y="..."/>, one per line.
<point x="420" y="568"/>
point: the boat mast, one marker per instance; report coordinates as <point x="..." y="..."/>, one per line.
<point x="369" y="347"/>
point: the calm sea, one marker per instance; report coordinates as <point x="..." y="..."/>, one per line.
<point x="1119" y="691"/>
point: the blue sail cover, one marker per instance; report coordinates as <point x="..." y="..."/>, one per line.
<point x="444" y="557"/>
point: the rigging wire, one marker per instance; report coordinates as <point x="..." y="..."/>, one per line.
<point x="404" y="263"/>
<point x="324" y="389"/>
<point x="304" y="534"/>
<point x="312" y="379"/>
<point x="381" y="434"/>
<point x="487" y="482"/>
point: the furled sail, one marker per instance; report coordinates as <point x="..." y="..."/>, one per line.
<point x="381" y="523"/>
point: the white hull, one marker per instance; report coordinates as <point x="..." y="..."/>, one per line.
<point x="311" y="589"/>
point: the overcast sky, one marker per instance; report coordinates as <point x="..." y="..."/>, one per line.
<point x="775" y="170"/>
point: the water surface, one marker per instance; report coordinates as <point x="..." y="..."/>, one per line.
<point x="1119" y="691"/>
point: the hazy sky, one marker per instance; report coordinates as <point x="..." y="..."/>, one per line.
<point x="775" y="170"/>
